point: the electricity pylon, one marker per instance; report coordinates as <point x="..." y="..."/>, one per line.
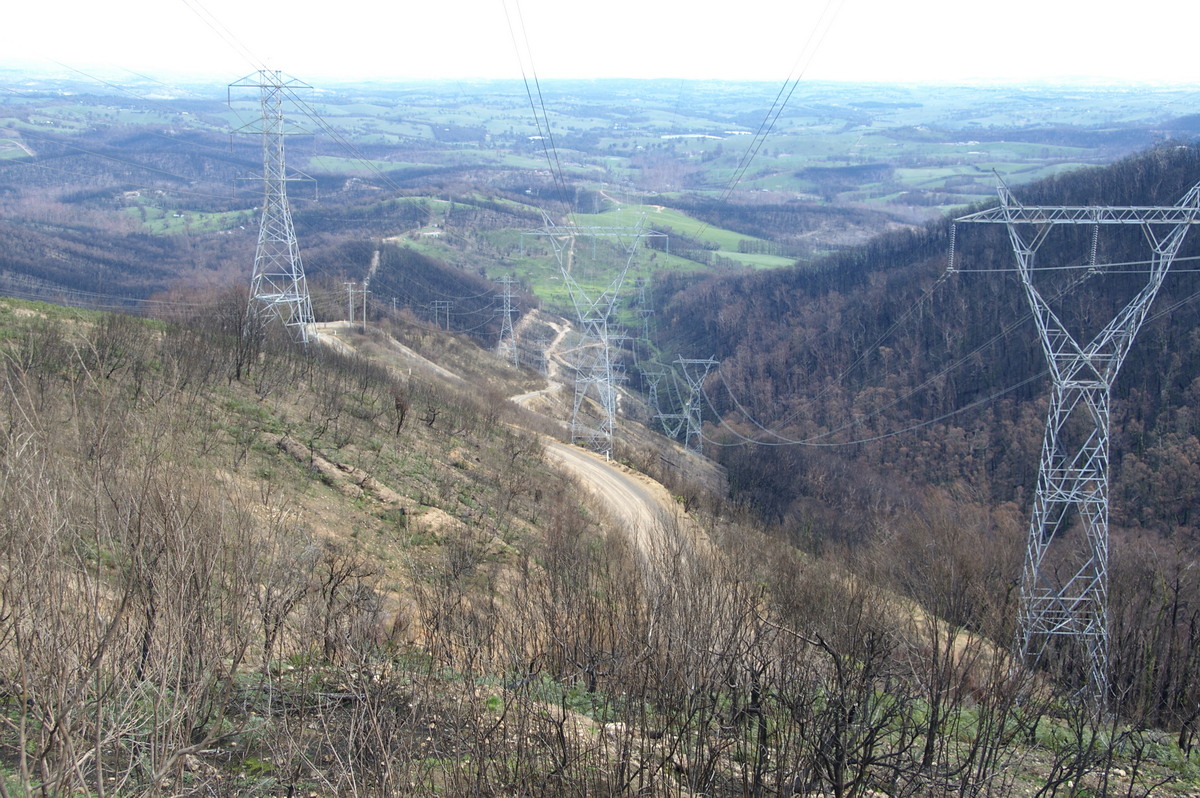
<point x="695" y="370"/>
<point x="1069" y="599"/>
<point x="672" y="423"/>
<point x="646" y="314"/>
<point x="278" y="283"/>
<point x="506" y="348"/>
<point x="595" y="373"/>
<point x="441" y="310"/>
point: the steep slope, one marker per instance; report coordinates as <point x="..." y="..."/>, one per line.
<point x="880" y="340"/>
<point x="909" y="388"/>
<point x="230" y="566"/>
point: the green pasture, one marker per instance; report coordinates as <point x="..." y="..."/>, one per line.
<point x="597" y="261"/>
<point x="669" y="220"/>
<point x="160" y="221"/>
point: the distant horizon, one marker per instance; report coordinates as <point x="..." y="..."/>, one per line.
<point x="85" y="73"/>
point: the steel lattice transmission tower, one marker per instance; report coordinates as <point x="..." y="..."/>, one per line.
<point x="278" y="282"/>
<point x="672" y="423"/>
<point x="506" y="348"/>
<point x="1069" y="598"/>
<point x="695" y="370"/>
<point x="596" y="372"/>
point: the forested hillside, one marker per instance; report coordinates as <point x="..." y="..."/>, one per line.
<point x="907" y="387"/>
<point x="879" y="339"/>
<point x="232" y="565"/>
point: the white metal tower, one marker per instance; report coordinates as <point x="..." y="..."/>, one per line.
<point x="595" y="375"/>
<point x="506" y="348"/>
<point x="1069" y="598"/>
<point x="278" y="282"/>
<point x="695" y="370"/>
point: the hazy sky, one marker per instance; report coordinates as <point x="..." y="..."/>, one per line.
<point x="855" y="40"/>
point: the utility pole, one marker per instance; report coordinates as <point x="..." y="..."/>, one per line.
<point x="364" y="291"/>
<point x="278" y="282"/>
<point x="1069" y="599"/>
<point x="506" y="348"/>
<point x="350" y="302"/>
<point x="374" y="267"/>
<point x="352" y="289"/>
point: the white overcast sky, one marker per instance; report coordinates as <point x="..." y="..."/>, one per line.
<point x="851" y="40"/>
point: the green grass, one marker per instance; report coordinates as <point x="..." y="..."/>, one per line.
<point x="669" y="220"/>
<point x="10" y="148"/>
<point x="160" y="221"/>
<point x="534" y="262"/>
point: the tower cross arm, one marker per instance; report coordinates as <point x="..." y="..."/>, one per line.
<point x="1083" y="214"/>
<point x="1009" y="211"/>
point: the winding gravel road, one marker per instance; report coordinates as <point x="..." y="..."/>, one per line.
<point x="634" y="502"/>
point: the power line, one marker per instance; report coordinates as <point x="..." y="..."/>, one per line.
<point x="765" y="128"/>
<point x="954" y="364"/>
<point x="785" y="441"/>
<point x="105" y="156"/>
<point x="224" y="34"/>
<point x="1073" y="476"/>
<point x="545" y="135"/>
<point x="912" y="428"/>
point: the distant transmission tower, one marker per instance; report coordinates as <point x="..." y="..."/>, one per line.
<point x="1069" y="598"/>
<point x="540" y="354"/>
<point x="441" y="310"/>
<point x="278" y="283"/>
<point x="506" y="349"/>
<point x="672" y="423"/>
<point x="646" y="314"/>
<point x="596" y="374"/>
<point x="694" y="371"/>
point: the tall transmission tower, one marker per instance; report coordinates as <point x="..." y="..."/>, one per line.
<point x="695" y="370"/>
<point x="672" y="423"/>
<point x="646" y="314"/>
<point x="506" y="348"/>
<point x="1068" y="598"/>
<point x="595" y="374"/>
<point x="278" y="284"/>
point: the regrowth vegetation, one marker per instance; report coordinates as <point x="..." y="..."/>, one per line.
<point x="234" y="567"/>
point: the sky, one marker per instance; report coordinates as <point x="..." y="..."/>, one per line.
<point x="848" y="40"/>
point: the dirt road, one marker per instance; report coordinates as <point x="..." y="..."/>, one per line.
<point x="638" y="504"/>
<point x="634" y="502"/>
<point x="643" y="508"/>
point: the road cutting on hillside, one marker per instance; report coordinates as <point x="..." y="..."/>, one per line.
<point x="639" y="505"/>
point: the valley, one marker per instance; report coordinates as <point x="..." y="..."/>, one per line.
<point x="375" y="565"/>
